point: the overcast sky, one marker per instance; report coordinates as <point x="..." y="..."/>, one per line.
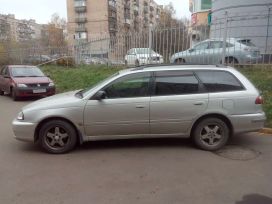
<point x="41" y="10"/>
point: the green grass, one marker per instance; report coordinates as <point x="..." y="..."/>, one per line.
<point x="67" y="79"/>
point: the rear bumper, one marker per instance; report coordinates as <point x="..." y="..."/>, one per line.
<point x="248" y="122"/>
<point x="24" y="92"/>
<point x="23" y="131"/>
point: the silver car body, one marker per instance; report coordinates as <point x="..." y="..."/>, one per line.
<point x="210" y="52"/>
<point x="143" y="56"/>
<point x="144" y="117"/>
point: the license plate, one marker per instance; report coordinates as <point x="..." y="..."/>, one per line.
<point x="39" y="91"/>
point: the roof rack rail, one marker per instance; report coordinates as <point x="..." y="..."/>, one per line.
<point x="221" y="66"/>
<point x="141" y="67"/>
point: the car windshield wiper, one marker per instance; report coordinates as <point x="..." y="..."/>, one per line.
<point x="79" y="94"/>
<point x="34" y="76"/>
<point x="19" y="76"/>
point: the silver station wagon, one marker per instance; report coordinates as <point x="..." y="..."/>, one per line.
<point x="207" y="103"/>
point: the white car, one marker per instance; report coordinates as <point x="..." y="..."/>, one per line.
<point x="142" y="56"/>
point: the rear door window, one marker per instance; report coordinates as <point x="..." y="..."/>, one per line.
<point x="219" y="81"/>
<point x="175" y="83"/>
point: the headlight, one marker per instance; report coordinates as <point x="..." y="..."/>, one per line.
<point x="20" y="116"/>
<point x="51" y="84"/>
<point x="21" y="85"/>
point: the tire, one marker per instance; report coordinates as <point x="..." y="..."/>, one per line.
<point x="13" y="95"/>
<point x="137" y="63"/>
<point x="126" y="63"/>
<point x="1" y="93"/>
<point x="231" y="61"/>
<point x="179" y="61"/>
<point x="57" y="137"/>
<point x="211" y="134"/>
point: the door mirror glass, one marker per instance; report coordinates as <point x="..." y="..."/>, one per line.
<point x="100" y="95"/>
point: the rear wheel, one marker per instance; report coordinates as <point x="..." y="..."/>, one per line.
<point x="57" y="137"/>
<point x="179" y="61"/>
<point x="211" y="134"/>
<point x="1" y="93"/>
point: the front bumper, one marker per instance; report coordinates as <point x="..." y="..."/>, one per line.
<point x="29" y="91"/>
<point x="24" y="131"/>
<point x="248" y="122"/>
<point x="146" y="61"/>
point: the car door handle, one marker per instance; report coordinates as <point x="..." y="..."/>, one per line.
<point x="140" y="106"/>
<point x="198" y="103"/>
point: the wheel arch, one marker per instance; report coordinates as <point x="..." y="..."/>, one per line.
<point x="232" y="57"/>
<point x="42" y="122"/>
<point x="213" y="115"/>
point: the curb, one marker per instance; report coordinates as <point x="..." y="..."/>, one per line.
<point x="266" y="131"/>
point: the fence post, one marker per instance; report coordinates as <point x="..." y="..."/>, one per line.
<point x="225" y="38"/>
<point x="150" y="42"/>
<point x="267" y="30"/>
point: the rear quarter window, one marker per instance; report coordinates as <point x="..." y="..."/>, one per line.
<point x="219" y="81"/>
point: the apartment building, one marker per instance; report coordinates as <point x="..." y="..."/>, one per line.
<point x="18" y="30"/>
<point x="90" y="19"/>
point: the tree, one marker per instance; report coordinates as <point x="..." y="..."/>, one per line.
<point x="171" y="35"/>
<point x="58" y="21"/>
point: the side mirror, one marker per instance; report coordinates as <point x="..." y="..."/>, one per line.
<point x="100" y="95"/>
<point x="191" y="50"/>
<point x="48" y="76"/>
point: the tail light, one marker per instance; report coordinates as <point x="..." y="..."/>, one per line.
<point x="259" y="100"/>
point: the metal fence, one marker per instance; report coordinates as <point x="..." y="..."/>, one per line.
<point x="244" y="38"/>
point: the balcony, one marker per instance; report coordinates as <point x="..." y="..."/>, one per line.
<point x="80" y="9"/>
<point x="81" y="20"/>
<point x="113" y="29"/>
<point x="127" y="21"/>
<point x="81" y="29"/>
<point x="145" y="9"/>
<point x="127" y="6"/>
<point x="112" y="5"/>
<point x="136" y="9"/>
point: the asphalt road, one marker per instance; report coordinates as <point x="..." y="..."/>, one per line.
<point x="137" y="171"/>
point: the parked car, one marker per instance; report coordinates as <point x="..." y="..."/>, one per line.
<point x="206" y="103"/>
<point x="23" y="80"/>
<point x="238" y="51"/>
<point x="142" y="56"/>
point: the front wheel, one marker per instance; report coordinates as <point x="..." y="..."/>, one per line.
<point x="57" y="137"/>
<point x="137" y="63"/>
<point x="211" y="134"/>
<point x="13" y="95"/>
<point x="1" y="93"/>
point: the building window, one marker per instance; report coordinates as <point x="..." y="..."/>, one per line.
<point x="79" y="3"/>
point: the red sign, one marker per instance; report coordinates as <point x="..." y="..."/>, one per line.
<point x="194" y="18"/>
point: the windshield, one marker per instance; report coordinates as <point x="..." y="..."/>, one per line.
<point x="247" y="42"/>
<point x="26" y="72"/>
<point x="86" y="91"/>
<point x="144" y="51"/>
